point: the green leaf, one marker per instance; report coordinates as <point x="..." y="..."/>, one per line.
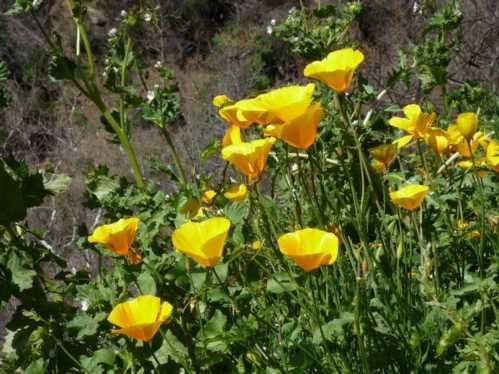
<point x="147" y="284"/>
<point x="37" y="367"/>
<point x="334" y="328"/>
<point x="171" y="348"/>
<point x="86" y="324"/>
<point x="280" y="283"/>
<point x="93" y="364"/>
<point x="22" y="277"/>
<point x="56" y="183"/>
<point x="236" y="213"/>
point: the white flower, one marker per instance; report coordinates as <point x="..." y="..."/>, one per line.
<point x="294" y="167"/>
<point x="158" y="64"/>
<point x="123" y="13"/>
<point x="156" y="86"/>
<point x="84" y="305"/>
<point x="273" y="22"/>
<point x="269" y="30"/>
<point x="112" y="32"/>
<point x="147" y="17"/>
<point x="292" y="10"/>
<point x="37" y="3"/>
<point x="415" y="7"/>
<point x="73" y="270"/>
<point x="294" y="39"/>
<point x="150" y="96"/>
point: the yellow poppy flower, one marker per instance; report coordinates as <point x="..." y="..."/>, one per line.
<point x="416" y="123"/>
<point x="202" y="241"/>
<point x="383" y="155"/>
<point x="310" y="248"/>
<point x="409" y="197"/>
<point x="231" y="114"/>
<point x="464" y="147"/>
<point x="249" y="157"/>
<point x="492" y="155"/>
<point x="220" y="100"/>
<point x="301" y="131"/>
<point x="337" y="69"/>
<point x="117" y="236"/>
<point x="282" y="104"/>
<point x="232" y="136"/>
<point x="236" y="192"/>
<point x="140" y="318"/>
<point x="467" y="124"/>
<point x="208" y="197"/>
<point x="438" y="140"/>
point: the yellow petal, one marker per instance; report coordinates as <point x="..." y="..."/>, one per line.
<point x="236" y="192"/>
<point x="232" y="136"/>
<point x="117" y="236"/>
<point x="202" y="241"/>
<point x="403" y="141"/>
<point x="208" y="197"/>
<point x="383" y="155"/>
<point x="438" y="140"/>
<point x="409" y="197"/>
<point x="492" y="155"/>
<point x="310" y="248"/>
<point x="301" y="131"/>
<point x="416" y="122"/>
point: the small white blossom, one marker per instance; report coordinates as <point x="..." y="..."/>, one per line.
<point x="150" y="96"/>
<point x="269" y="30"/>
<point x="147" y="17"/>
<point x="84" y="305"/>
<point x="294" y="39"/>
<point x="458" y="13"/>
<point x="158" y="64"/>
<point x="112" y="32"/>
<point x="294" y="167"/>
<point x="123" y="13"/>
<point x="115" y="69"/>
<point x="292" y="10"/>
<point x="73" y="270"/>
<point x="273" y="22"/>
<point x="415" y="7"/>
<point x="37" y="3"/>
<point x="156" y="86"/>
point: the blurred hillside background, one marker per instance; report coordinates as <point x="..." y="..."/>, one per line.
<point x="214" y="47"/>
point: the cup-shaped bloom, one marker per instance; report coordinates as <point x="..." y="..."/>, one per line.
<point x="438" y="140"/>
<point x="409" y="197"/>
<point x="467" y="124"/>
<point x="383" y="155"/>
<point x="202" y="241"/>
<point x="249" y="158"/>
<point x="492" y="155"/>
<point x="337" y="69"/>
<point x="299" y="132"/>
<point x="231" y="114"/>
<point x="464" y="146"/>
<point x="232" y="136"/>
<point x="236" y="192"/>
<point x="310" y="248"/>
<point x="416" y="123"/>
<point x="208" y="196"/>
<point x="117" y="236"/>
<point x="140" y="318"/>
<point x="283" y="104"/>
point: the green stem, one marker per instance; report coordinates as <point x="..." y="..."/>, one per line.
<point x="176" y="159"/>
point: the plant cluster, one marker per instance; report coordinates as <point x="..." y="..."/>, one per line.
<point x="336" y="237"/>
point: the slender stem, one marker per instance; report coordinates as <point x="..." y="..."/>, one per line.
<point x="174" y="154"/>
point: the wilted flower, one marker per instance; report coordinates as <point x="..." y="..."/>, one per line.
<point x="249" y="157"/>
<point x="140" y="318"/>
<point x="117" y="236"/>
<point x="416" y="124"/>
<point x="383" y="155"/>
<point x="299" y="132"/>
<point x="310" y="248"/>
<point x="409" y="197"/>
<point x="337" y="69"/>
<point x="202" y="241"/>
<point x="236" y="192"/>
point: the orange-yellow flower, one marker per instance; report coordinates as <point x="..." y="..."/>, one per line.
<point x="236" y="192"/>
<point x="256" y="245"/>
<point x="416" y="123"/>
<point x="202" y="241"/>
<point x="310" y="248"/>
<point x="383" y="155"/>
<point x="462" y="145"/>
<point x="299" y="132"/>
<point x="492" y="155"/>
<point x="337" y="69"/>
<point x="208" y="197"/>
<point x="438" y="140"/>
<point x="231" y="114"/>
<point x="232" y="136"/>
<point x="117" y="236"/>
<point x="140" y="318"/>
<point x="409" y="197"/>
<point x="467" y="124"/>
<point x="249" y="157"/>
